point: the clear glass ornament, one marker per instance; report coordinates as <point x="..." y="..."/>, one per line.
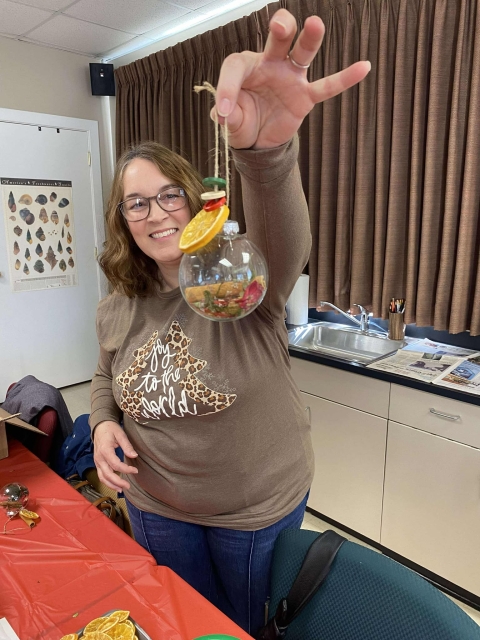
<point x="225" y="280"/>
<point x="13" y="498"/>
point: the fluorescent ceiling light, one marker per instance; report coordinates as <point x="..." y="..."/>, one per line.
<point x="198" y="17"/>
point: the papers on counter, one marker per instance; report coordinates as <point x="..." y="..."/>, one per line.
<point x="437" y="348"/>
<point x="6" y="631"/>
<point x="427" y="361"/>
<point x="462" y="376"/>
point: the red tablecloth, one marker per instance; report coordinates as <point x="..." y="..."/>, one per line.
<point x="76" y="565"/>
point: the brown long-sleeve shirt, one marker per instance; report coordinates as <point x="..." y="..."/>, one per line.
<point x="210" y="407"/>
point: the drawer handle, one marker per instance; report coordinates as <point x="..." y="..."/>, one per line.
<point x="447" y="416"/>
<point x="309" y="413"/>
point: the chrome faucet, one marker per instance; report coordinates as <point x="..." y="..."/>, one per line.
<point x="364" y="318"/>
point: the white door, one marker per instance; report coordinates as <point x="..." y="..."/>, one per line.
<point x="50" y="333"/>
<point x="349" y="447"/>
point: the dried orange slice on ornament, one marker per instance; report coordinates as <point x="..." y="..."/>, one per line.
<point x="202" y="229"/>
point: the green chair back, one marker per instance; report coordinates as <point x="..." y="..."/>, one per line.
<point x="366" y="596"/>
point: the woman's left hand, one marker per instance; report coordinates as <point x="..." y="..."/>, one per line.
<point x="265" y="96"/>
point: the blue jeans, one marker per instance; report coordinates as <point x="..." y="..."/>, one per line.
<point x="230" y="568"/>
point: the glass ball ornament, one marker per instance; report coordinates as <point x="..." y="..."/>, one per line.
<point x="13" y="497"/>
<point x="225" y="280"/>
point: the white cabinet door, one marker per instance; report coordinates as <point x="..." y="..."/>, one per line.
<point x="349" y="450"/>
<point x="431" y="510"/>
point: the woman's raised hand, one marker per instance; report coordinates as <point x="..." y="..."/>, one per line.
<point x="266" y="96"/>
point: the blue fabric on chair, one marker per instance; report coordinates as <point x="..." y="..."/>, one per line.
<point x="76" y="454"/>
<point x="366" y="596"/>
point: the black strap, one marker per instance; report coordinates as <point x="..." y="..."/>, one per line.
<point x="315" y="568"/>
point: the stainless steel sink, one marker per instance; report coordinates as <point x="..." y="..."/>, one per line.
<point x="342" y="342"/>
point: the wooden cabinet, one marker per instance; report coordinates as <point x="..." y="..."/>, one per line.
<point x="349" y="450"/>
<point x="431" y="505"/>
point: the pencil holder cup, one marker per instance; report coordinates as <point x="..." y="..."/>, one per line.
<point x="396" y="326"/>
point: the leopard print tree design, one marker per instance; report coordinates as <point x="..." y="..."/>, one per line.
<point x="176" y="346"/>
<point x="131" y="402"/>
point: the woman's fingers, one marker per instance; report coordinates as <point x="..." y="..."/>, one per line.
<point x="235" y="68"/>
<point x="238" y="66"/>
<point x="124" y="443"/>
<point x="336" y="83"/>
<point x="108" y="477"/>
<point x="109" y="465"/>
<point x="309" y="41"/>
<point x="106" y="460"/>
<point x="283" y="28"/>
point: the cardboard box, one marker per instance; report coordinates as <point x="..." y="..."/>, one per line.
<point x="6" y="417"/>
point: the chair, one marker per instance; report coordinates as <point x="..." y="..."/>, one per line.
<point x="366" y="596"/>
<point x="47" y="421"/>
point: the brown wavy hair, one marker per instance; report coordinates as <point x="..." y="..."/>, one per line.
<point x="128" y="270"/>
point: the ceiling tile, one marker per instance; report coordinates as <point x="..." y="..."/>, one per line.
<point x="227" y="5"/>
<point x="54" y="5"/>
<point x="67" y="33"/>
<point x="125" y="15"/>
<point x="16" y="19"/>
<point x="175" y="26"/>
<point x="192" y="4"/>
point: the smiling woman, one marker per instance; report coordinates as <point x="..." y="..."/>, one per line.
<point x="142" y="246"/>
<point x="218" y="460"/>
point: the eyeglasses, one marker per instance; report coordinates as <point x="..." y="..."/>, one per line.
<point x="136" y="209"/>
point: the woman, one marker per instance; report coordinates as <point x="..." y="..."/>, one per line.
<point x="216" y="442"/>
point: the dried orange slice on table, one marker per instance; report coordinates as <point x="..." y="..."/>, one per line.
<point x="71" y="636"/>
<point x="94" y="625"/>
<point x="119" y="616"/>
<point x="202" y="229"/>
<point x="121" y="631"/>
<point x="107" y="624"/>
<point x="96" y="635"/>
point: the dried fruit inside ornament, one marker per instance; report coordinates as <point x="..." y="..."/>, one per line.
<point x="225" y="280"/>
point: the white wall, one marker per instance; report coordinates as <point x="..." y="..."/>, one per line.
<point x="44" y="80"/>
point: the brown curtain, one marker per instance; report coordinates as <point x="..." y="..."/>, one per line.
<point x="391" y="168"/>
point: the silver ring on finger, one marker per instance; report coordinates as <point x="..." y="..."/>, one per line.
<point x="295" y="63"/>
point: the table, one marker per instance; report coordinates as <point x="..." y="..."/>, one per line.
<point x="77" y="564"/>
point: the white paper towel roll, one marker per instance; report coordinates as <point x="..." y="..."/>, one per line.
<point x="297" y="304"/>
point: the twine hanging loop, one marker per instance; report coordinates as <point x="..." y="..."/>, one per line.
<point x="206" y="86"/>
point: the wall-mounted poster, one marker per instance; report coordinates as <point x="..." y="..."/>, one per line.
<point x="40" y="233"/>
